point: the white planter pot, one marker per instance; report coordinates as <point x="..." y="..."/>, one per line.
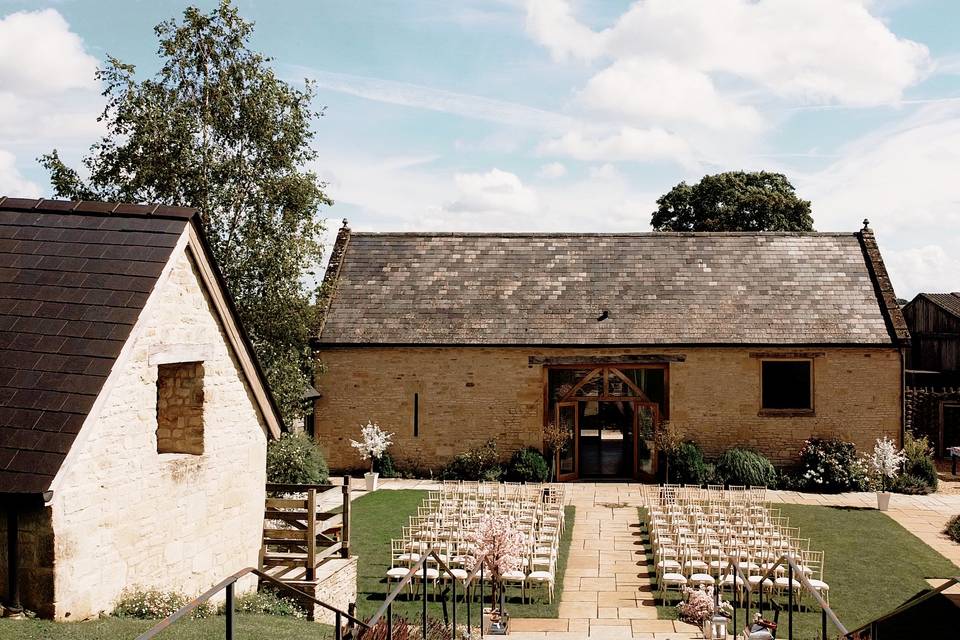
<point x="371" y="479"/>
<point x="883" y="500"/>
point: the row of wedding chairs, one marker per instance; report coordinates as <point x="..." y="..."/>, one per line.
<point x="446" y="518"/>
<point x="697" y="533"/>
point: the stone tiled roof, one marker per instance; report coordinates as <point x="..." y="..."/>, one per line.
<point x="950" y="302"/>
<point x="74" y="278"/>
<point x="657" y="289"/>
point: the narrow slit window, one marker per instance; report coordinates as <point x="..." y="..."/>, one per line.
<point x="416" y="415"/>
<point x="786" y="385"/>
<point x="180" y="408"/>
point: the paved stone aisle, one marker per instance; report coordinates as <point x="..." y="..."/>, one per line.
<point x="606" y="591"/>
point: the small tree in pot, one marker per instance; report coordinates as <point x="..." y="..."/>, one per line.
<point x="885" y="463"/>
<point x="374" y="442"/>
<point x="500" y="546"/>
<point x="555" y="440"/>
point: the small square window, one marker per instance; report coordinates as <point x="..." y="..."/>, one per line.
<point x="180" y="408"/>
<point x="786" y="385"/>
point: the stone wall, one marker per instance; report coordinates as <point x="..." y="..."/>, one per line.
<point x="180" y="408"/>
<point x="337" y="586"/>
<point x="125" y="515"/>
<point x="36" y="559"/>
<point x="467" y="395"/>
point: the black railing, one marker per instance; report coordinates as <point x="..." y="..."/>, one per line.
<point x="769" y="577"/>
<point x="421" y="566"/>
<point x="228" y="584"/>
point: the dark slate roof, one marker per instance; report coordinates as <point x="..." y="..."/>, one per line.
<point x="949" y="302"/>
<point x="659" y="289"/>
<point x="74" y="277"/>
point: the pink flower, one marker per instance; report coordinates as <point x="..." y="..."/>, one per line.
<point x="503" y="545"/>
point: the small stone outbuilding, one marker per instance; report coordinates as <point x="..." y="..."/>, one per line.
<point x="752" y="339"/>
<point x="134" y="417"/>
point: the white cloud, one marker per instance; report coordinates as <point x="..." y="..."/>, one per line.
<point x="603" y="172"/>
<point x="903" y="178"/>
<point x="552" y="170"/>
<point x="552" y="24"/>
<point x="655" y="90"/>
<point x="12" y="182"/>
<point x="40" y="56"/>
<point x="812" y="50"/>
<point x="928" y="268"/>
<point x="628" y="144"/>
<point x="49" y="96"/>
<point x="422" y="97"/>
<point x="494" y="191"/>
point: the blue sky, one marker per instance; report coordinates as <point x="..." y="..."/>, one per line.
<point x="562" y="115"/>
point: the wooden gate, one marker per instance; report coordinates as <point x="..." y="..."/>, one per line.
<point x="302" y="529"/>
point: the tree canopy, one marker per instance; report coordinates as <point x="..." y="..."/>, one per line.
<point x="733" y="201"/>
<point x="217" y="130"/>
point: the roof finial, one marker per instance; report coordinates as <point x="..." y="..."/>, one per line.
<point x="866" y="224"/>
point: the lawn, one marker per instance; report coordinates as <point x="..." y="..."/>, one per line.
<point x="248" y="627"/>
<point x="872" y="565"/>
<point x="378" y="517"/>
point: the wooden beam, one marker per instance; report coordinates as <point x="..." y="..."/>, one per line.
<point x="595" y="360"/>
<point x="787" y="355"/>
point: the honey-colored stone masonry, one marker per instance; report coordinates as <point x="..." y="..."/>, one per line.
<point x="124" y="515"/>
<point x="469" y="394"/>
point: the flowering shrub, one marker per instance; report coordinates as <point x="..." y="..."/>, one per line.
<point x="267" y="602"/>
<point x="885" y="461"/>
<point x="296" y="459"/>
<point x="831" y="466"/>
<point x="150" y="604"/>
<point x="698" y="606"/>
<point x="374" y="442"/>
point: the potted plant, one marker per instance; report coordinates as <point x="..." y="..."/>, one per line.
<point x="373" y="443"/>
<point x="500" y="546"/>
<point x="885" y="462"/>
<point x="555" y="440"/>
<point x="667" y="439"/>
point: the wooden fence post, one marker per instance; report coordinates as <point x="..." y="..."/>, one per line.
<point x="311" y="533"/>
<point x="345" y="535"/>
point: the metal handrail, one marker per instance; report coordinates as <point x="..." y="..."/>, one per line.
<point x="793" y="569"/>
<point x="387" y="607"/>
<point x="228" y="583"/>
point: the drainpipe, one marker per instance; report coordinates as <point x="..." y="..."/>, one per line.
<point x="13" y="561"/>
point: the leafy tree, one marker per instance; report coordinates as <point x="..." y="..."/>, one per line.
<point x="733" y="201"/>
<point x="217" y="130"/>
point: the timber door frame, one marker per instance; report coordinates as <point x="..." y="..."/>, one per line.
<point x="575" y="442"/>
<point x="639" y="400"/>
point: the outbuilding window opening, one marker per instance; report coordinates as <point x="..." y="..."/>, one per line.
<point x="180" y="408"/>
<point x="786" y="385"/>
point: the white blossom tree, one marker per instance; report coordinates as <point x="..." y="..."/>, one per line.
<point x="885" y="461"/>
<point x="373" y="442"/>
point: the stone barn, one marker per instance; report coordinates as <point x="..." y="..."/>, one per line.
<point x="752" y="339"/>
<point x="134" y="417"/>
